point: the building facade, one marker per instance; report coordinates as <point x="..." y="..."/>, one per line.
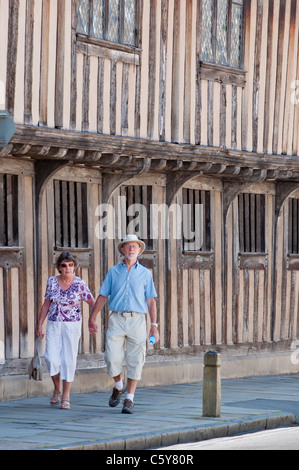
<point x="129" y="113"/>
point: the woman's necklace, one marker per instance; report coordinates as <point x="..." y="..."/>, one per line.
<point x="67" y="283"/>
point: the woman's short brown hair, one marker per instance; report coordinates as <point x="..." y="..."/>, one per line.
<point x="66" y="255"/>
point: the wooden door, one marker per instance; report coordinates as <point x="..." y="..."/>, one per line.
<point x="286" y="292"/>
<point x="17" y="275"/>
<point x="69" y="207"/>
<point x="196" y="268"/>
<point x="249" y="266"/>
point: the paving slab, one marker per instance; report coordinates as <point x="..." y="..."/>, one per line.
<point x="164" y="415"/>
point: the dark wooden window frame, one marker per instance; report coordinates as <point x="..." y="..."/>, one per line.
<point x="246" y="5"/>
<point x="89" y="38"/>
<point x="252" y="223"/>
<point x="9" y="227"/>
<point x="193" y="197"/>
<point x="70" y="214"/>
<point x="293" y="226"/>
<point x="139" y="194"/>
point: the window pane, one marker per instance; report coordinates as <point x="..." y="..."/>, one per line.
<point x="113" y="21"/>
<point x="97" y="19"/>
<point x="129" y="21"/>
<point x="9" y="228"/>
<point x="136" y="212"/>
<point x="83" y="17"/>
<point x="252" y="223"/>
<point x="222" y="25"/>
<point x="293" y="226"/>
<point x="207" y="30"/>
<point x="236" y="36"/>
<point x="196" y="220"/>
<point x="70" y="206"/>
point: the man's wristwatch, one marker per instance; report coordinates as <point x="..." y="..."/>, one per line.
<point x="154" y="324"/>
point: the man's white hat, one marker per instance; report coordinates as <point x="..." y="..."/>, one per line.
<point x="131" y="238"/>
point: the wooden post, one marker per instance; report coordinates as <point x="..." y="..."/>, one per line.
<point x="211" y="385"/>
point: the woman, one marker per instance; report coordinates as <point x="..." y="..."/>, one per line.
<point x="63" y="297"/>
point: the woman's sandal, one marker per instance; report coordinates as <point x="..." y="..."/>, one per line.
<point x="65" y="404"/>
<point x="55" y="398"/>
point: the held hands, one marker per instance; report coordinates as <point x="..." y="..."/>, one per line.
<point x="93" y="327"/>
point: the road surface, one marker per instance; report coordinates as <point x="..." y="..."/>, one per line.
<point x="274" y="439"/>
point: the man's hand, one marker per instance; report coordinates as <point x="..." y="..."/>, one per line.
<point x="152" y="310"/>
<point x="154" y="332"/>
<point x="100" y="302"/>
<point x="93" y="327"/>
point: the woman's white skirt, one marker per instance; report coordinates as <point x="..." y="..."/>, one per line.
<point x="62" y="343"/>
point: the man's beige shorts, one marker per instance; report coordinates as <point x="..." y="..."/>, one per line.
<point x="126" y="339"/>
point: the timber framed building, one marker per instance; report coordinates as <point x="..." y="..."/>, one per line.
<point x="155" y="102"/>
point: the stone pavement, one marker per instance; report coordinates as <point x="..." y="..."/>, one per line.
<point x="165" y="415"/>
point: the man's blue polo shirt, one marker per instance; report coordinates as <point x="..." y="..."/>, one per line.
<point x="128" y="291"/>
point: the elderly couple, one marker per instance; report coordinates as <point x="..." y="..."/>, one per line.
<point x="130" y="289"/>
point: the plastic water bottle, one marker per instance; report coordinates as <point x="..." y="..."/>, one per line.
<point x="152" y="340"/>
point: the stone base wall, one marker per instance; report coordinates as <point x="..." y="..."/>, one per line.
<point x="157" y="371"/>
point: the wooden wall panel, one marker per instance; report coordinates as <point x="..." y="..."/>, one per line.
<point x="249" y="289"/>
<point x="20" y="66"/>
<point x="2" y="318"/>
<point x="285" y="320"/>
<point x="257" y="304"/>
<point x="17" y="283"/>
<point x="27" y="272"/>
<point x="160" y="91"/>
<point x="289" y="132"/>
<point x="193" y="299"/>
<point x="89" y="257"/>
<point x="4" y="8"/>
<point x="11" y="305"/>
<point x="36" y="72"/>
<point x="106" y="94"/>
<point x="147" y="191"/>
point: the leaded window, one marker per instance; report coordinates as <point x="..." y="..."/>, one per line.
<point x="111" y="20"/>
<point x="222" y="32"/>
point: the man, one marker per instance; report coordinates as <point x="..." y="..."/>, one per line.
<point x="131" y="292"/>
